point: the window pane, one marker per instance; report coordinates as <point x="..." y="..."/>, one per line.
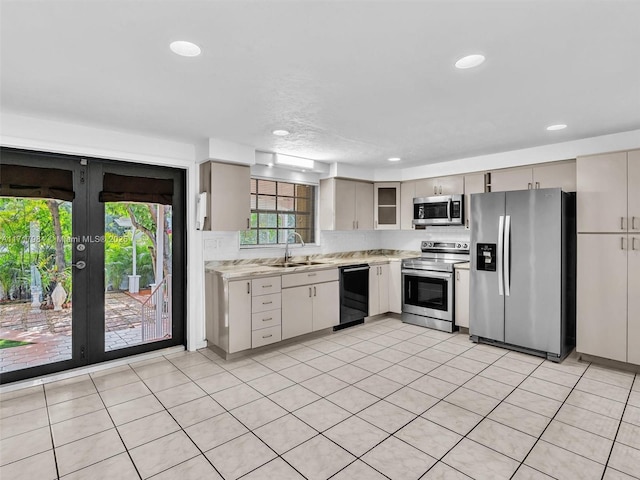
<point x="268" y="220"/>
<point x="254" y="186"/>
<point x="286" y="204"/>
<point x="303" y="221"/>
<point x="285" y="189"/>
<point x="266" y="237"/>
<point x="266" y="187"/>
<point x="254" y="220"/>
<point x="304" y="205"/>
<point x="248" y="237"/>
<point x="286" y="220"/>
<point x="304" y="191"/>
<point x="266" y="203"/>
<point x="254" y="199"/>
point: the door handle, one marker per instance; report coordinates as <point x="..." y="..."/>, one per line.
<point x="622" y="243"/>
<point x="507" y="261"/>
<point x="500" y="255"/>
<point x="314" y="292"/>
<point x="633" y="243"/>
<point x="80" y="265"/>
<point x="633" y="223"/>
<point x="248" y="287"/>
<point x="309" y="292"/>
<point x="248" y="224"/>
<point x="622" y="223"/>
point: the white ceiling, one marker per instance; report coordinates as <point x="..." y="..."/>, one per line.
<point x="354" y="81"/>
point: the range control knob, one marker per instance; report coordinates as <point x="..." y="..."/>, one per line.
<point x="465" y="246"/>
<point x="458" y="245"/>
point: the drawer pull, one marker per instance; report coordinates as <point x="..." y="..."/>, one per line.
<point x="267" y="303"/>
<point x="267" y="319"/>
<point x="311" y="274"/>
<point x="267" y="336"/>
<point x="267" y="286"/>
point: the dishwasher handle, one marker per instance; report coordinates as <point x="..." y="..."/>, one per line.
<point x="357" y="269"/>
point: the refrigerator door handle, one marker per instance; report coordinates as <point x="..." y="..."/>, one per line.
<point x="501" y="255"/>
<point x="507" y="257"/>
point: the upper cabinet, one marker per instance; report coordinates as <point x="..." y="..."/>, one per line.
<point x="407" y="194"/>
<point x="608" y="198"/>
<point x="229" y="189"/>
<point x="549" y="175"/>
<point x="451" y="185"/>
<point x="346" y="205"/>
<point x="386" y="214"/>
<point x="473" y="183"/>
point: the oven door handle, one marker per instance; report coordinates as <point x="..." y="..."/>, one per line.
<point x="427" y="273"/>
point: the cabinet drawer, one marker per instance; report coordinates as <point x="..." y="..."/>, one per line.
<point x="266" y="336"/>
<point x="307" y="278"/>
<point x="266" y="302"/>
<point x="264" y="286"/>
<point x="266" y="319"/>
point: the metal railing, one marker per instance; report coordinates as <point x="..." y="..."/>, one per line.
<point x="156" y="312"/>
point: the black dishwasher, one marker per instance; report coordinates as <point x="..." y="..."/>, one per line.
<point x="354" y="295"/>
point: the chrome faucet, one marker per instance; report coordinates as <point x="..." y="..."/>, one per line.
<point x="287" y="253"/>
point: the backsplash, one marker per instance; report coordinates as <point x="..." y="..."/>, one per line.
<point x="226" y="245"/>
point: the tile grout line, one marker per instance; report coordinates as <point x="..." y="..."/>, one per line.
<point x="53" y="445"/>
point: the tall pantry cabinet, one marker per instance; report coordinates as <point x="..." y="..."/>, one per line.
<point x="608" y="283"/>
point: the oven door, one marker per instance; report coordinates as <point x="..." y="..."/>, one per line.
<point x="428" y="293"/>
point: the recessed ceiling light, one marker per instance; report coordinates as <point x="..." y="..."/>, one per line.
<point x="394" y="159"/>
<point x="470" y="61"/>
<point x="185" y="49"/>
<point x="560" y="126"/>
<point x="281" y="133"/>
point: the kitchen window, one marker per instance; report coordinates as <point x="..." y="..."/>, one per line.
<point x="279" y="208"/>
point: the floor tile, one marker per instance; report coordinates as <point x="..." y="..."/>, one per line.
<point x="625" y="459"/>
<point x="147" y="429"/>
<point x="391" y="355"/>
<point x="236" y="396"/>
<point x="472" y="401"/>
<point x="436" y="355"/>
<point x="202" y="370"/>
<point x="270" y="383"/>
<point x="325" y="363"/>
<point x="348" y="354"/>
<point x="467" y="364"/>
<point x="546" y="389"/>
<point x="386" y="416"/>
<point x="275" y="469"/>
<point x="174" y="396"/>
<point x="378" y="386"/>
<point x="303" y="354"/>
<point x="429" y="437"/>
<point x="597" y="404"/>
<point x="561" y="463"/>
<point x="239" y="456"/>
<point x="612" y="474"/>
<point x="632" y="415"/>
<point x="82" y="453"/>
<point x="195" y="411"/>
<point x="516" y="365"/>
<point x="61" y="391"/>
<point x="159" y="455"/>
<point x="412" y="400"/>
<point x="285" y="433"/>
<point x="74" y="408"/>
<point x="489" y="387"/>
<point x="41" y="467"/>
<point x="561" y="378"/>
<point x="24" y="445"/>
<point x="124" y="393"/>
<point x="258" y="412"/>
<point x="398" y="460"/>
<point x="119" y="466"/>
<point x="610" y="376"/>
<point x="400" y="374"/>
<point x="602" y="389"/>
<point x="115" y="379"/>
<point x="481" y="356"/>
<point x="324" y="384"/>
<point x="480" y="462"/>
<point x="352" y="399"/>
<point x="196" y="468"/>
<point x="587" y="420"/>
<point x="294" y="397"/>
<point x="533" y="402"/>
<point x="520" y="419"/>
<point x="355" y="435"/>
<point x="21" y="392"/>
<point x="215" y="431"/>
<point x="154" y="368"/>
<point x="318" y="458"/>
<point x="433" y="386"/>
<point x="503" y="439"/>
<point x="251" y="372"/>
<point x="218" y="382"/>
<point x="372" y="364"/>
<point x="161" y="382"/>
<point x="80" y="427"/>
<point x="453" y="417"/>
<point x="442" y="471"/>
<point x="350" y="373"/>
<point x="321" y="414"/>
<point x="24" y="422"/>
<point x="452" y="348"/>
<point x="135" y="409"/>
<point x="629" y="435"/>
<point x="503" y="375"/>
<point x="578" y="441"/>
<point x="301" y="372"/>
<point x="525" y="472"/>
<point x="358" y="470"/>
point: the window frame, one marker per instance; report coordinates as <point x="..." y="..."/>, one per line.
<point x="314" y="213"/>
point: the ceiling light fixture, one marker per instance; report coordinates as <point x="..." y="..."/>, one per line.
<point x="185" y="49"/>
<point x="559" y="126"/>
<point x="394" y="159"/>
<point x="470" y="61"/>
<point x="281" y="133"/>
<point x="294" y="161"/>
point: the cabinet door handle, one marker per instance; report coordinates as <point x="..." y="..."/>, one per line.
<point x="267" y="286"/>
<point x="357" y="224"/>
<point x="622" y="243"/>
<point x="267" y="303"/>
<point x="248" y="223"/>
<point x="435" y="190"/>
<point x="314" y="291"/>
<point x="309" y="292"/>
<point x="467" y="223"/>
<point x="248" y="287"/>
<point x="353" y="226"/>
<point x="457" y="275"/>
<point x="633" y="243"/>
<point x="529" y="185"/>
<point x="311" y="274"/>
<point x="267" y="336"/>
<point x="537" y="185"/>
<point x="633" y="223"/>
<point x="440" y="190"/>
<point x="267" y="319"/>
<point x="622" y="223"/>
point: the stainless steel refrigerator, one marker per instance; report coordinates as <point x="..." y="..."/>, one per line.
<point x="522" y="288"/>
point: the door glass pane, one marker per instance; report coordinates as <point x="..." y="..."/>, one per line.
<point x="35" y="282"/>
<point x="138" y="262"/>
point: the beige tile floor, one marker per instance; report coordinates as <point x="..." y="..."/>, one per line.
<point x="382" y="400"/>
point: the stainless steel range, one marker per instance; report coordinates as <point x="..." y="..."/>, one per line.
<point x="427" y="284"/>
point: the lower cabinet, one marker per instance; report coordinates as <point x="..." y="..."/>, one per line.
<point x="462" y="297"/>
<point x="239" y="321"/>
<point x="310" y="302"/>
<point x="378" y="289"/>
<point x="395" y="286"/>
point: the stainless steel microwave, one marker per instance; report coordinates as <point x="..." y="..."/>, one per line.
<point x="438" y="210"/>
